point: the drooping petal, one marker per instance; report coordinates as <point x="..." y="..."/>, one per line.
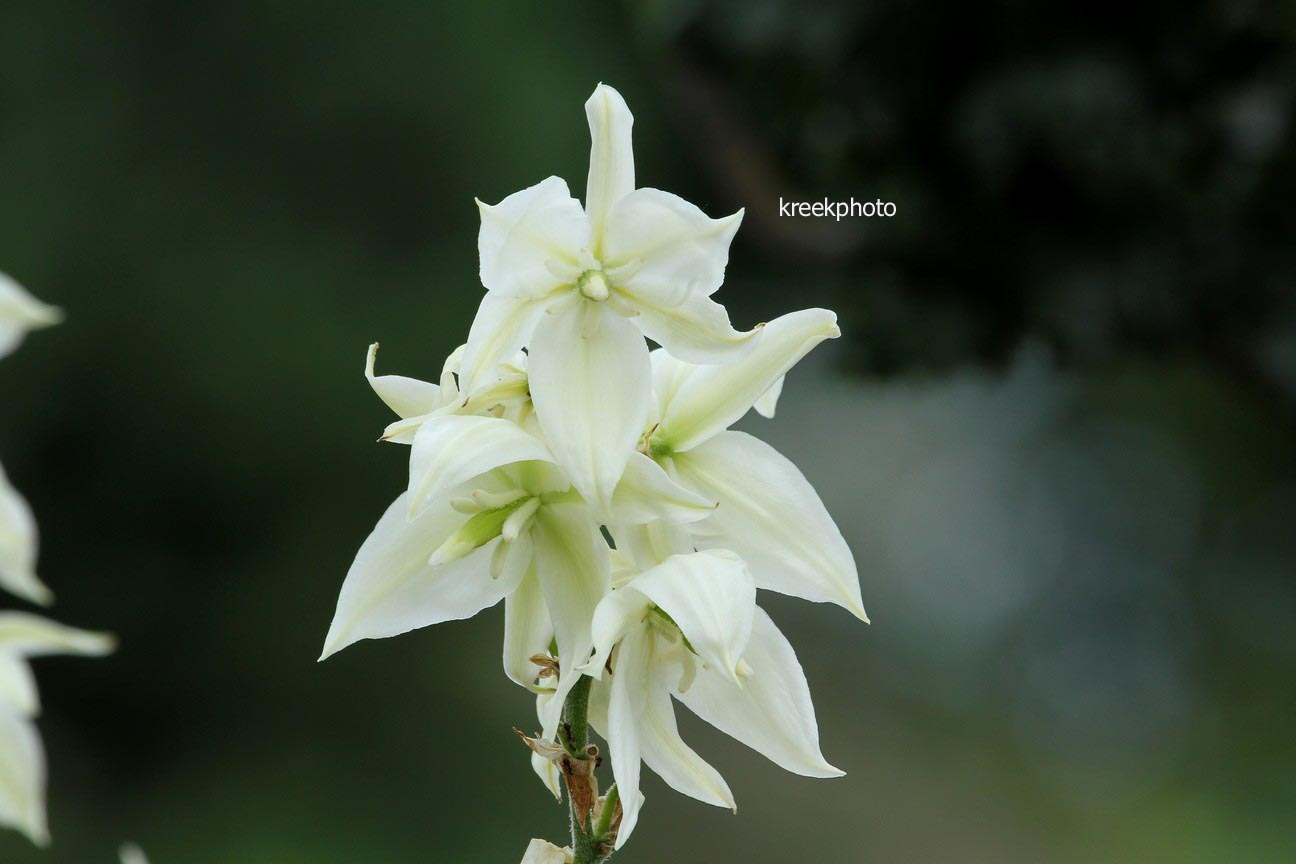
<point x="616" y="614"/>
<point x="573" y="565"/>
<point x="711" y="398"/>
<point x="527" y="629"/>
<point x="646" y="493"/>
<point x="21" y="313"/>
<point x="26" y="635"/>
<point x="696" y="329"/>
<point x="529" y="235"/>
<point x="408" y="397"/>
<point x="18" y="542"/>
<point x="611" y="171"/>
<point x="22" y="778"/>
<point x="711" y="597"/>
<point x="670" y="758"/>
<point x="451" y="449"/>
<point x="502" y="327"/>
<point x="771" y="712"/>
<point x="625" y="706"/>
<point x="771" y="516"/>
<point x="391" y="588"/>
<point x="590" y="375"/>
<point x="674" y="249"/>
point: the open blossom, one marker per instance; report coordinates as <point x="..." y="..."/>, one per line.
<point x="583" y="285"/>
<point x="22" y="759"/>
<point x="689" y="627"/>
<point x="595" y="488"/>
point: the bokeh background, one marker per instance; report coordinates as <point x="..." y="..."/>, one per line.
<point x="1058" y="431"/>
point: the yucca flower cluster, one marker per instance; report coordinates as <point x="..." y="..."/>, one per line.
<point x="23" y="635"/>
<point x="593" y="485"/>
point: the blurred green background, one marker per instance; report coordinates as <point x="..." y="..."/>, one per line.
<point x="1058" y="432"/>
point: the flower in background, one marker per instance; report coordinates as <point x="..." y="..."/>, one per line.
<point x="22" y="759"/>
<point x="20" y="313"/>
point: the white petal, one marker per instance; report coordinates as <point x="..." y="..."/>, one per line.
<point x="27" y="635"/>
<point x="451" y="449"/>
<point x="713" y="397"/>
<point x="18" y="542"/>
<point x="132" y="854"/>
<point x="771" y="712"/>
<point x="590" y="386"/>
<point x="625" y="706"/>
<point x="652" y="543"/>
<point x="616" y="614"/>
<point x="611" y="171"/>
<point x="771" y="516"/>
<point x="527" y="628"/>
<point x="671" y="759"/>
<point x="22" y="778"/>
<point x="696" y="329"/>
<point x="675" y="248"/>
<point x="18" y="692"/>
<point x="646" y="493"/>
<point x="502" y="327"/>
<point x="543" y="852"/>
<point x="21" y="313"/>
<point x="711" y="596"/>
<point x="391" y="588"/>
<point x="768" y="401"/>
<point x="573" y="565"/>
<point x="408" y="397"/>
<point x="529" y="234"/>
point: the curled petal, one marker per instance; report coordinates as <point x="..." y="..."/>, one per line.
<point x="529" y="235"/>
<point x="590" y="375"/>
<point x="26" y="635"/>
<point x="709" y="398"/>
<point x="408" y="397"/>
<point x="616" y="614"/>
<point x="768" y="401"/>
<point x="771" y="712"/>
<point x="772" y="517"/>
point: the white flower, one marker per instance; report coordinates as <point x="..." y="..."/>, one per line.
<point x="690" y="627"/>
<point x="768" y="512"/>
<point x="18" y="541"/>
<point x="543" y="852"/>
<point x="489" y="516"/>
<point x="22" y="759"/>
<point x="581" y="287"/>
<point x="504" y="394"/>
<point x="20" y="313"/>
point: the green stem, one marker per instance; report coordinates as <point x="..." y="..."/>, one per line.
<point x="588" y="845"/>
